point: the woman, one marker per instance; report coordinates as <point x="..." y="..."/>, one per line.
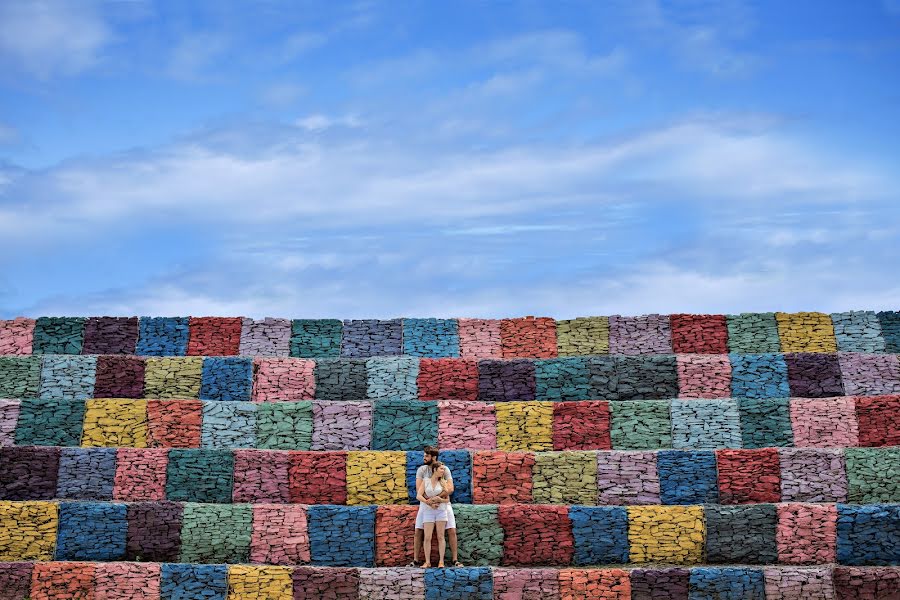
<point x="434" y="519"/>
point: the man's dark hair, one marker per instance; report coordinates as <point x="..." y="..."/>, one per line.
<point x="431" y="450"/>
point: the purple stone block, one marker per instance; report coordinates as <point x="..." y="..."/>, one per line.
<point x="266" y="337"/>
<point x="870" y="374"/>
<point x="660" y="584"/>
<point x="506" y="380"/>
<point x="15" y="580"/>
<point x="814" y="375"/>
<point x="648" y="334"/>
<point x="627" y="478"/>
<point x="9" y="417"/>
<point x="110" y="335"/>
<point x="154" y="531"/>
<point x="812" y="475"/>
<point x="28" y="473"/>
<point x="341" y="425"/>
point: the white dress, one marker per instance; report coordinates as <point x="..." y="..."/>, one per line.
<point x="432" y="515"/>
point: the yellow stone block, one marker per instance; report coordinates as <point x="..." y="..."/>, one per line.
<point x="565" y="478"/>
<point x="376" y="478"/>
<point x="28" y="530"/>
<point x="250" y="582"/>
<point x="115" y="422"/>
<point x="582" y="336"/>
<point x="806" y="332"/>
<point x="666" y="534"/>
<point x="524" y="426"/>
<point x="173" y="377"/>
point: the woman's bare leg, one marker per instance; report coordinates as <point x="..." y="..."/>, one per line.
<point x="429" y="527"/>
<point x="442" y="543"/>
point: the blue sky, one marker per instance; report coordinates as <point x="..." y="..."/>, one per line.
<point x="369" y="159"/>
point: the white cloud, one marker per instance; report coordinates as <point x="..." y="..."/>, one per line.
<point x="321" y="180"/>
<point x="46" y="38"/>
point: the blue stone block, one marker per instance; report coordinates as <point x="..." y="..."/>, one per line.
<point x="86" y="473"/>
<point x="392" y="378"/>
<point x="472" y="583"/>
<point x="727" y="584"/>
<point x="759" y="376"/>
<point x="460" y="464"/>
<point x="342" y="536"/>
<point x="68" y="377"/>
<point x="431" y="338"/>
<point x="868" y="534"/>
<point x="193" y="582"/>
<point x="227" y="378"/>
<point x="228" y="425"/>
<point x="705" y="424"/>
<point x="91" y="531"/>
<point x="560" y="379"/>
<point x="413" y="462"/>
<point x="687" y="477"/>
<point x="163" y="336"/>
<point x="601" y="534"/>
<point x="365" y="338"/>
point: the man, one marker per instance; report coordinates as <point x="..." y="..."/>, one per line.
<point x="423" y="472"/>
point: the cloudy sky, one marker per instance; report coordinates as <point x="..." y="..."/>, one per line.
<point x="415" y="158"/>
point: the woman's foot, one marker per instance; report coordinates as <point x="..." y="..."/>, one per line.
<point x="426" y="565"/>
<point x="441" y="565"/>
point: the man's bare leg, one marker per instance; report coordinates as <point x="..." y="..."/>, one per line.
<point x="451" y="536"/>
<point x="417" y="544"/>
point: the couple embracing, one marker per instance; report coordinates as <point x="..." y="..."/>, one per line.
<point x="434" y="484"/>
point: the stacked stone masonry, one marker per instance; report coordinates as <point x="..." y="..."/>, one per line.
<point x="658" y="456"/>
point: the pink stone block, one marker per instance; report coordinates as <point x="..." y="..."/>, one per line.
<point x="126" y="581"/>
<point x="869" y="374"/>
<point x="280" y="535"/>
<point x="704" y="376"/>
<point x="479" y="338"/>
<point x="647" y="334"/>
<point x="799" y="583"/>
<point x="265" y="337"/>
<point x="341" y="425"/>
<point x="16" y="336"/>
<point x="626" y="477"/>
<point x="283" y="379"/>
<point x="824" y="422"/>
<point x="9" y="417"/>
<point x="807" y="533"/>
<point x="261" y="476"/>
<point x="812" y="475"/>
<point x="467" y="425"/>
<point x="526" y="584"/>
<point x="140" y="474"/>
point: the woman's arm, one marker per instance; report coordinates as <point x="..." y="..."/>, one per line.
<point x="420" y="491"/>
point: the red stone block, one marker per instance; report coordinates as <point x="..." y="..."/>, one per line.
<point x="699" y="334"/>
<point x="448" y="379"/>
<point x="394" y="526"/>
<point x="581" y="426"/>
<point x="502" y="477"/>
<point x="62" y="581"/>
<point x="748" y="476"/>
<point x="536" y="534"/>
<point x="605" y="584"/>
<point x="174" y="423"/>
<point x="318" y="477"/>
<point x="528" y="337"/>
<point x="879" y="420"/>
<point x="214" y="336"/>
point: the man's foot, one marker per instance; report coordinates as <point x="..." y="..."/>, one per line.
<point x="458" y="565"/>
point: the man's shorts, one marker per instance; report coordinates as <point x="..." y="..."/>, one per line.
<point x="451" y="519"/>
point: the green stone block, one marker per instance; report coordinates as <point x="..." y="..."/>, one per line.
<point x="284" y="425"/>
<point x="873" y="475"/>
<point x="20" y="376"/>
<point x="479" y="534"/>
<point x="640" y="424"/>
<point x="216" y="533"/>
<point x="50" y="422"/>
